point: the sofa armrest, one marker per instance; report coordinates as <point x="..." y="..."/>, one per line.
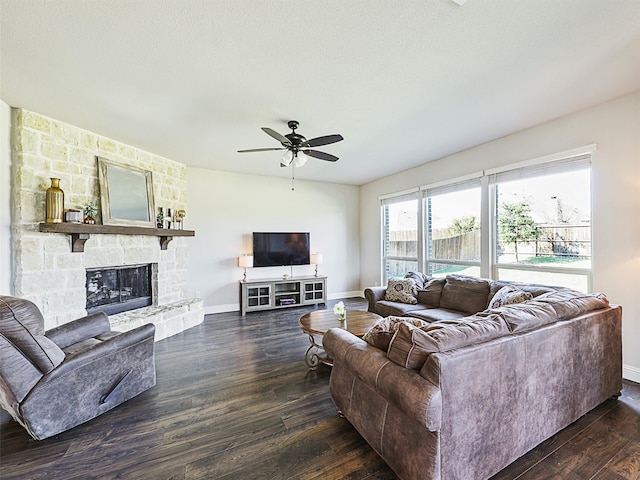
<point x="79" y="330"/>
<point x="373" y="295"/>
<point x="404" y="388"/>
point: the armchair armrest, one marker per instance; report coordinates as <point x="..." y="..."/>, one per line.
<point x="373" y="295"/>
<point x="79" y="330"/>
<point x="132" y="337"/>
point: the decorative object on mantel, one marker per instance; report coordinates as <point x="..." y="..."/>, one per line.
<point x="168" y="218"/>
<point x="245" y="261"/>
<point x="80" y="233"/>
<point x="73" y="215"/>
<point x="316" y="259"/>
<point x="339" y="310"/>
<point x="54" y="202"/>
<point x="178" y="218"/>
<point x="90" y="212"/>
<point x="126" y="193"/>
<point x="160" y="218"/>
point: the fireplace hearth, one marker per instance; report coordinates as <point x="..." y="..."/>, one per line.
<point x="119" y="289"/>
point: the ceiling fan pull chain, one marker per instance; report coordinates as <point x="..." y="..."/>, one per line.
<point x="293" y="175"/>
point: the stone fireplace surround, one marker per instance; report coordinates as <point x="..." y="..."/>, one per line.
<point x="46" y="271"/>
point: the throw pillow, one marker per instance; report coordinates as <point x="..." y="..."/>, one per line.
<point x="418" y="277"/>
<point x="381" y="333"/>
<point x="401" y="290"/>
<point x="508" y="295"/>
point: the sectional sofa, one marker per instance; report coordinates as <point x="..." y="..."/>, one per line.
<point x="463" y="396"/>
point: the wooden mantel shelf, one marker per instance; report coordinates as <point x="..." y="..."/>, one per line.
<point x="81" y="232"/>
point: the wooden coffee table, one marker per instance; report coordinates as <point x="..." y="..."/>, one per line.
<point x="318" y="322"/>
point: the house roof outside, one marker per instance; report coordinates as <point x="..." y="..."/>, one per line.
<point x="404" y="82"/>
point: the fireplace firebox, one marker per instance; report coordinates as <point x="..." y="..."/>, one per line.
<point x="118" y="289"/>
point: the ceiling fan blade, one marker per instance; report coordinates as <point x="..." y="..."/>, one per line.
<point x="281" y="138"/>
<point x="326" y="140"/>
<point x="321" y="155"/>
<point x="260" y="150"/>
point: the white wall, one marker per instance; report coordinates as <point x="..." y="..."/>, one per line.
<point x="615" y="127"/>
<point x="225" y="208"/>
<point x="6" y="256"/>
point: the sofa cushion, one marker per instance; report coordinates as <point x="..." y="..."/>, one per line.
<point x="438" y="314"/>
<point x="527" y="315"/>
<point x="465" y="294"/>
<point x="431" y="292"/>
<point x="411" y="345"/>
<point x="401" y="290"/>
<point x="533" y="288"/>
<point x="380" y="334"/>
<point x="386" y="309"/>
<point x="570" y="303"/>
<point x="507" y="295"/>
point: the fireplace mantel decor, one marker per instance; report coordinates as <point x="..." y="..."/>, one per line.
<point x="81" y="232"/>
<point x="126" y="193"/>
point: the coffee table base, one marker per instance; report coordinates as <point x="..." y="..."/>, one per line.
<point x="313" y="356"/>
<point x="318" y="322"/>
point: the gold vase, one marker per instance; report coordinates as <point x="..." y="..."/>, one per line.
<point x="55" y="202"/>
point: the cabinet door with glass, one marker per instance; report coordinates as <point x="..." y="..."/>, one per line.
<point x="256" y="297"/>
<point x="314" y="291"/>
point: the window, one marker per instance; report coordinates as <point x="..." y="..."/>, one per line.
<point x="543" y="219"/>
<point x="453" y="229"/>
<point x="530" y="222"/>
<point x="400" y="218"/>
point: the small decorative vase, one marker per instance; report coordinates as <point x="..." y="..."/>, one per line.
<point x="54" y="202"/>
<point x="89" y="220"/>
<point x="342" y="317"/>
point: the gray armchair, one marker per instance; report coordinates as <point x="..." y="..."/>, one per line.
<point x="53" y="381"/>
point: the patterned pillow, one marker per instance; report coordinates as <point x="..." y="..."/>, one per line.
<point x="508" y="295"/>
<point x="403" y="291"/>
<point x="418" y="277"/>
<point x="380" y="334"/>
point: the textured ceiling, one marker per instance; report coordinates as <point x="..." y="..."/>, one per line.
<point x="404" y="82"/>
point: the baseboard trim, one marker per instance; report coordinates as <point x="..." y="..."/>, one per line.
<point x="337" y="295"/>
<point x="230" y="307"/>
<point x="631" y="373"/>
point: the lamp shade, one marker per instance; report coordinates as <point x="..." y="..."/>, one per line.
<point x="245" y="261"/>
<point x="316" y="258"/>
<point x="286" y="158"/>
<point x="300" y="159"/>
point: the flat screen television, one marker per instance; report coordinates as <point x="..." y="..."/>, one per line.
<point x="276" y="249"/>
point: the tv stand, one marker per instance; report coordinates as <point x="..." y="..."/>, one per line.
<point x="274" y="293"/>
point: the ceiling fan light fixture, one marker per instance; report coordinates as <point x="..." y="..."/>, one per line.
<point x="286" y="158"/>
<point x="300" y="159"/>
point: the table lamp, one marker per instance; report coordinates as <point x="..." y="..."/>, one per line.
<point x="316" y="259"/>
<point x="245" y="261"/>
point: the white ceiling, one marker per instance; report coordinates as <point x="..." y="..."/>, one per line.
<point x="405" y="82"/>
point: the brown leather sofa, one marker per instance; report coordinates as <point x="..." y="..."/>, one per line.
<point x="448" y="298"/>
<point x="463" y="398"/>
<point x="53" y="381"/>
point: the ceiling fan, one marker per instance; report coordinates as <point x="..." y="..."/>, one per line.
<point x="297" y="148"/>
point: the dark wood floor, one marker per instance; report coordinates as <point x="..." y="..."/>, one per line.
<point x="235" y="400"/>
